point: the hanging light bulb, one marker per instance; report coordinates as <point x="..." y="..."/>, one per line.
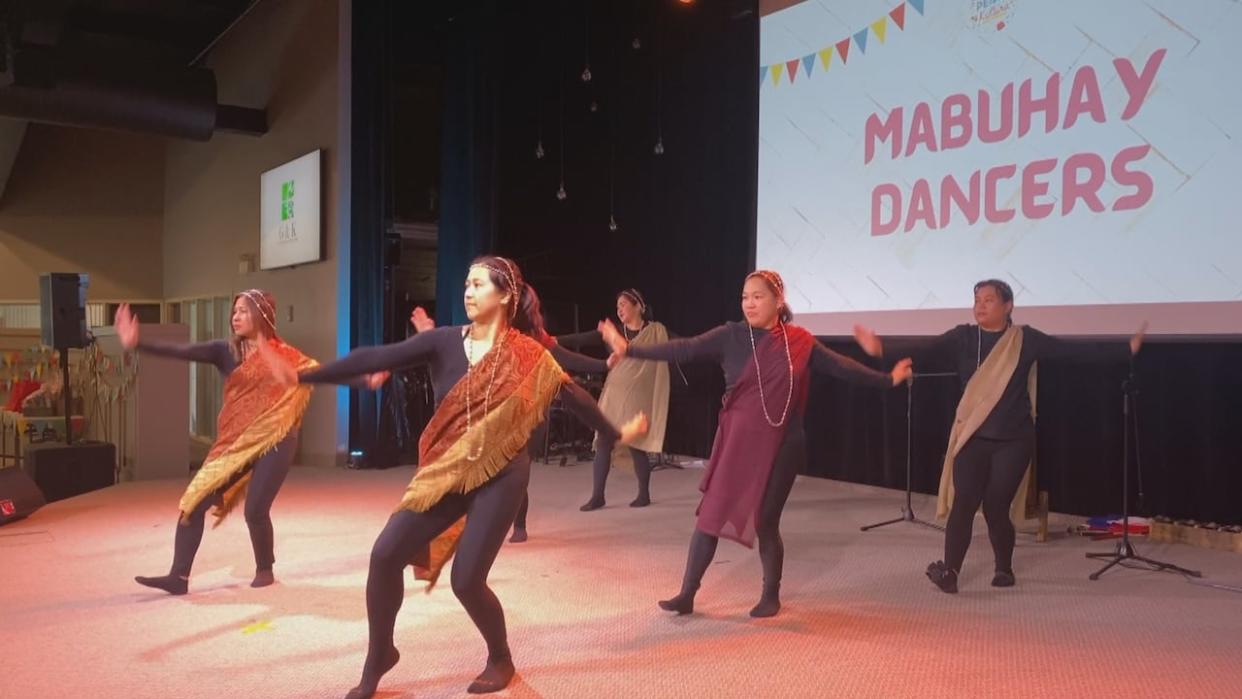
<point x="560" y="193"/>
<point x="659" y="146"/>
<point x="539" y="153"/>
<point x="594" y="106"/>
<point x="636" y="44"/>
<point x="612" y="224"/>
<point x="586" y="74"/>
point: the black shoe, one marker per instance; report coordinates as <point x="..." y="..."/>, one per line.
<point x="592" y="504"/>
<point x="944" y="577"/>
<point x="1004" y="578"/>
<point x="519" y="536"/>
<point x="263" y="578"/>
<point x="172" y="584"/>
<point x="682" y="604"/>
<point x="641" y="501"/>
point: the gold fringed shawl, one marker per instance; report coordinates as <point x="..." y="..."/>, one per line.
<point x="634" y="386"/>
<point x="982" y="393"/>
<point x="258" y="413"/>
<point x="527" y="379"/>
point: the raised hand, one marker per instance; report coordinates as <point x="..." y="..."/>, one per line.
<point x="868" y="341"/>
<point x="903" y="371"/>
<point x="613" y="338"/>
<point x="420" y="320"/>
<point x="376" y="380"/>
<point x="1136" y="342"/>
<point x="282" y="371"/>
<point x="126" y="327"/>
<point x="634" y="429"/>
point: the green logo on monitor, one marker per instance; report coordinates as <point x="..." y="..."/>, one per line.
<point x="286" y="201"/>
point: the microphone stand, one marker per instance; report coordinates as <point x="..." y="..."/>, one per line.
<point x="1124" y="550"/>
<point x="907" y="511"/>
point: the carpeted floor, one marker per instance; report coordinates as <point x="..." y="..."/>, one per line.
<point x="860" y="620"/>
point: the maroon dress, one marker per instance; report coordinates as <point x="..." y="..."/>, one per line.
<point x="746" y="446"/>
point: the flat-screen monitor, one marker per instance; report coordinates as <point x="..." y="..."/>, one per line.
<point x="1085" y="152"/>
<point x="289" y="214"/>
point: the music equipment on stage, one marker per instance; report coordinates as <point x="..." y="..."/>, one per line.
<point x="62" y="313"/>
<point x="63" y="471"/>
<point x="1125" y="553"/>
<point x="62" y="309"/>
<point x="19" y="496"/>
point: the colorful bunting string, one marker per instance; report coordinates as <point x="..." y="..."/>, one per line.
<point x="878" y="28"/>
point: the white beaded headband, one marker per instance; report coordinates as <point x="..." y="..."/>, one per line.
<point x="261" y="303"/>
<point x="510" y="277"/>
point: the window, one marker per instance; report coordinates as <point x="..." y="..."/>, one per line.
<point x="208" y="319"/>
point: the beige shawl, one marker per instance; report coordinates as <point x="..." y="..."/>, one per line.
<point x="635" y="385"/>
<point x="982" y="393"/>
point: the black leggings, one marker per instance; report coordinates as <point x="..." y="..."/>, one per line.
<point x="519" y="522"/>
<point x="489" y="511"/>
<point x="268" y="474"/>
<point x="986" y="472"/>
<point x="603" y="464"/>
<point x="789" y="459"/>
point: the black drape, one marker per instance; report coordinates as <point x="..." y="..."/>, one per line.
<point x="371" y="207"/>
<point x="470" y="141"/>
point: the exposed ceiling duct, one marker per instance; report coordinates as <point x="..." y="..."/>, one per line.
<point x="47" y="77"/>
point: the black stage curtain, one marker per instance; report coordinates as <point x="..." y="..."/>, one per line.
<point x="371" y="205"/>
<point x="468" y="167"/>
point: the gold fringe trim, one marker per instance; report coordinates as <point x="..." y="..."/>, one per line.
<point x="261" y="437"/>
<point x="508" y="428"/>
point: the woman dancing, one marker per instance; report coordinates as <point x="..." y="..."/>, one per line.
<point x="760" y="444"/>
<point x="993" y="435"/>
<point x="570" y="361"/>
<point x="257" y="433"/>
<point x="633" y="385"/>
<point x="493" y="385"/>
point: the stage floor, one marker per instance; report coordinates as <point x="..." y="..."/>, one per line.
<point x="860" y="620"/>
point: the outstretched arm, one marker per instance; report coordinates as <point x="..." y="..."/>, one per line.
<point x="128" y="331"/>
<point x="416" y="350"/>
<point x="924" y="349"/>
<point x="710" y="346"/>
<point x="213" y="352"/>
<point x="826" y="361"/>
<point x="584" y="407"/>
<point x="1050" y="347"/>
<point x="590" y="338"/>
<point x="577" y="363"/>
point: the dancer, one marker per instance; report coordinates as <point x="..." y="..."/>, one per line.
<point x="569" y="361"/>
<point x="257" y="433"/>
<point x="993" y="435"/>
<point x="632" y="385"/>
<point x="493" y="384"/>
<point x="760" y="444"/>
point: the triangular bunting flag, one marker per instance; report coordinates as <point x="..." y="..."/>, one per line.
<point x="825" y="57"/>
<point x="843" y="50"/>
<point x="763" y="73"/>
<point x="808" y="63"/>
<point x="899" y="16"/>
<point x="777" y="69"/>
<point x="860" y="38"/>
<point x="791" y="69"/>
<point x="879" y="27"/>
<point x="916" y="4"/>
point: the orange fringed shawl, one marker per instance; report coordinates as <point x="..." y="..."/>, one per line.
<point x="258" y="413"/>
<point x="527" y="379"/>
